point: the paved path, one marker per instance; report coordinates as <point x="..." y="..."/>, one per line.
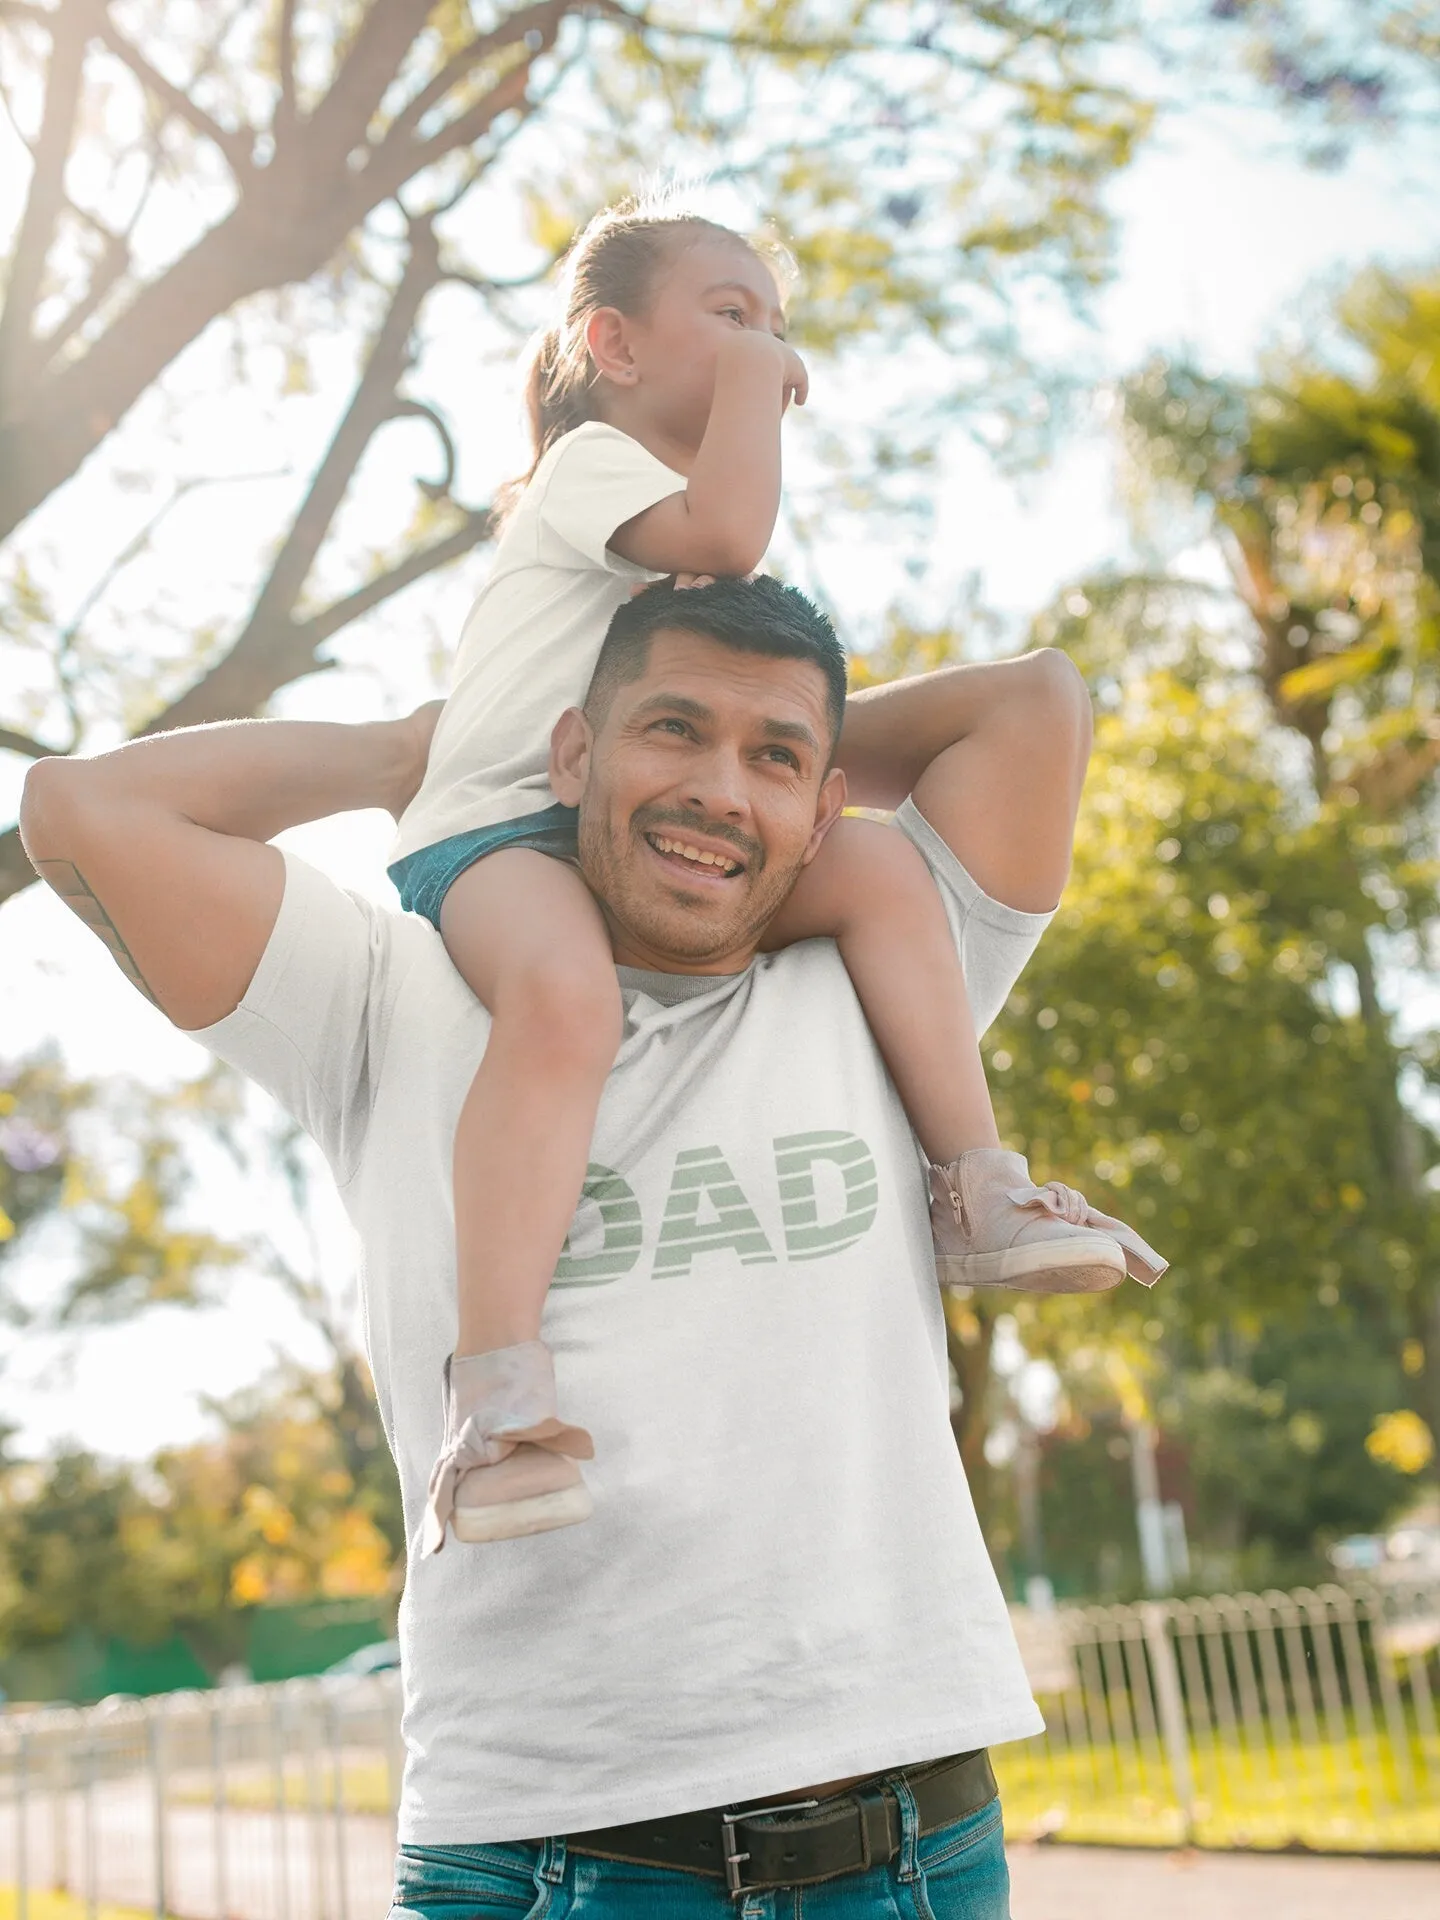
<point x="1102" y="1883"/>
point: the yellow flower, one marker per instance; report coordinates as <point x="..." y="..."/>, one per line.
<point x="1401" y="1440"/>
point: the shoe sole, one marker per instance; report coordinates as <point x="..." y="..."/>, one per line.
<point x="513" y="1519"/>
<point x="1093" y="1265"/>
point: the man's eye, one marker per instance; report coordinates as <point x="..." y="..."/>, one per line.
<point x="672" y="726"/>
<point x="784" y="756"/>
<point x="734" y="313"/>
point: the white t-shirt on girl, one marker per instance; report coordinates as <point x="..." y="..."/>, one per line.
<point x="532" y="638"/>
<point x="784" y="1580"/>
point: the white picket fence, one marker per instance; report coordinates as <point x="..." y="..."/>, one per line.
<point x="1237" y="1720"/>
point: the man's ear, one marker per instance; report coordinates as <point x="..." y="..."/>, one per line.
<point x="607" y="336"/>
<point x="570" y="745"/>
<point x="828" y="809"/>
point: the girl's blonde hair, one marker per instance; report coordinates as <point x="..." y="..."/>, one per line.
<point x="615" y="262"/>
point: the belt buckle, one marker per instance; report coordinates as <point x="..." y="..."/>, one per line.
<point x="734" y="1860"/>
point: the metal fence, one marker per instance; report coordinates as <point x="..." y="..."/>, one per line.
<point x="1239" y="1720"/>
<point x="1242" y="1720"/>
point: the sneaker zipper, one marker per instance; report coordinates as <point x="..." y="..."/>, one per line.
<point x="952" y="1188"/>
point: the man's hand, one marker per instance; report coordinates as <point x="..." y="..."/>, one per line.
<point x="412" y="736"/>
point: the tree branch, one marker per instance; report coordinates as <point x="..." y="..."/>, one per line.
<point x="376" y="55"/>
<point x="109" y="269"/>
<point x="370" y="406"/>
<point x="21" y="743"/>
<point x="396" y="163"/>
<point x="46" y="199"/>
<point x="290" y="219"/>
<point x="543" y="20"/>
<point x="417" y="410"/>
<point x="478" y="525"/>
<point x="236" y="147"/>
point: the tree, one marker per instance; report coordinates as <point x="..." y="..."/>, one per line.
<point x="188" y="169"/>
<point x="267" y="1512"/>
<point x="1322" y="484"/>
<point x="105" y="1172"/>
<point x="1370" y="67"/>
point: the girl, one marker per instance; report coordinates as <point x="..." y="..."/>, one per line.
<point x="656" y="410"/>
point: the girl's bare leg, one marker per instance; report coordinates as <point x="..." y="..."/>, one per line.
<point x="869" y="889"/>
<point x="530" y="942"/>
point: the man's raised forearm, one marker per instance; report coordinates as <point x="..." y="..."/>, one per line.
<point x="248" y="778"/>
<point x="159" y="847"/>
<point x="893" y="733"/>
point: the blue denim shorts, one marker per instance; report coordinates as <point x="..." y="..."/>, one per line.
<point x="956" y="1873"/>
<point x="423" y="879"/>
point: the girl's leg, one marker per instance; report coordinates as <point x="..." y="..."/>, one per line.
<point x="869" y="889"/>
<point x="530" y="942"/>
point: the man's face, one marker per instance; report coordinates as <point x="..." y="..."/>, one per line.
<point x="702" y="795"/>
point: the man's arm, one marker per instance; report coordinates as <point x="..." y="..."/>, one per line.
<point x="994" y="756"/>
<point x="159" y="846"/>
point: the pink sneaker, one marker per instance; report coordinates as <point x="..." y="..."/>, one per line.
<point x="507" y="1467"/>
<point x="993" y="1227"/>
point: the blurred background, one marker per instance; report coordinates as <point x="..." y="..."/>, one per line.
<point x="1123" y="322"/>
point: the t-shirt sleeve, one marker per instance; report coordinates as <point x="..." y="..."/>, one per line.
<point x="994" y="941"/>
<point x="312" y="1022"/>
<point x="601" y="478"/>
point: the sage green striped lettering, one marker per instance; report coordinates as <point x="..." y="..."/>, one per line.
<point x="624" y="1232"/>
<point x="807" y="1236"/>
<point x="703" y="1176"/>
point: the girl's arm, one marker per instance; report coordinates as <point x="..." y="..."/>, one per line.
<point x="723" y="521"/>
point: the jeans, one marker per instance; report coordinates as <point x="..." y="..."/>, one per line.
<point x="423" y="879"/>
<point x="956" y="1873"/>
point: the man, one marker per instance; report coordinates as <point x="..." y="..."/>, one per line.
<point x="783" y="1594"/>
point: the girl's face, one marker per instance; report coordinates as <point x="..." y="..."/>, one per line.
<point x="663" y="360"/>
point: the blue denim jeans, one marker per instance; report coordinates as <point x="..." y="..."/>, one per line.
<point x="956" y="1873"/>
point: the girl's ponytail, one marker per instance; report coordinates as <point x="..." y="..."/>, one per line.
<point x="555" y="394"/>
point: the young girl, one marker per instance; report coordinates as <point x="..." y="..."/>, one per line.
<point x="656" y="410"/>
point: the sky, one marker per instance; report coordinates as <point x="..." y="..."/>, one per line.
<point x="1223" y="238"/>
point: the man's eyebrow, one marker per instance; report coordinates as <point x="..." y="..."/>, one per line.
<point x="791" y="730"/>
<point x="682" y="704"/>
<point x="739" y="286"/>
<point x="674" y="703"/>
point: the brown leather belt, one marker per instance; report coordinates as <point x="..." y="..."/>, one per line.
<point x="758" y="1847"/>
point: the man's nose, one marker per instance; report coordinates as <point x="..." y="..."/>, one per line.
<point x="715" y="785"/>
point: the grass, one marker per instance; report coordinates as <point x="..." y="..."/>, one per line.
<point x="63" y="1906"/>
<point x="364" y="1788"/>
<point x="1333" y="1796"/>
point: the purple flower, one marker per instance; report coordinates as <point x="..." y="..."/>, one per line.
<point x="26" y="1147"/>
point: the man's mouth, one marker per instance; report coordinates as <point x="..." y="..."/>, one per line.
<point x="691" y="857"/>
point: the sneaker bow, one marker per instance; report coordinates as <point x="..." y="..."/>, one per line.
<point x="1142" y="1263"/>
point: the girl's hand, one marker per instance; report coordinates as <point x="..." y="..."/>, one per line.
<point x="755" y="343"/>
<point x="797" y="378"/>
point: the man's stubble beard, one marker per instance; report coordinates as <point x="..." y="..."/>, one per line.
<point x="669" y="924"/>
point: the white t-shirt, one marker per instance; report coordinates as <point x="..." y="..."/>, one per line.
<point x="531" y="640"/>
<point x="783" y="1581"/>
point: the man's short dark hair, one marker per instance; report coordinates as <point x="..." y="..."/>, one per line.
<point x="752" y="616"/>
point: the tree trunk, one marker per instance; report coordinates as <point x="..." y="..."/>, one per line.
<point x="970" y="1356"/>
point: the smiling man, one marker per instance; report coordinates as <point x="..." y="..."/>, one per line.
<point x="783" y="1599"/>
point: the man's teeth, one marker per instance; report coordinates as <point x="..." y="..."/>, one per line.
<point x="697" y="854"/>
